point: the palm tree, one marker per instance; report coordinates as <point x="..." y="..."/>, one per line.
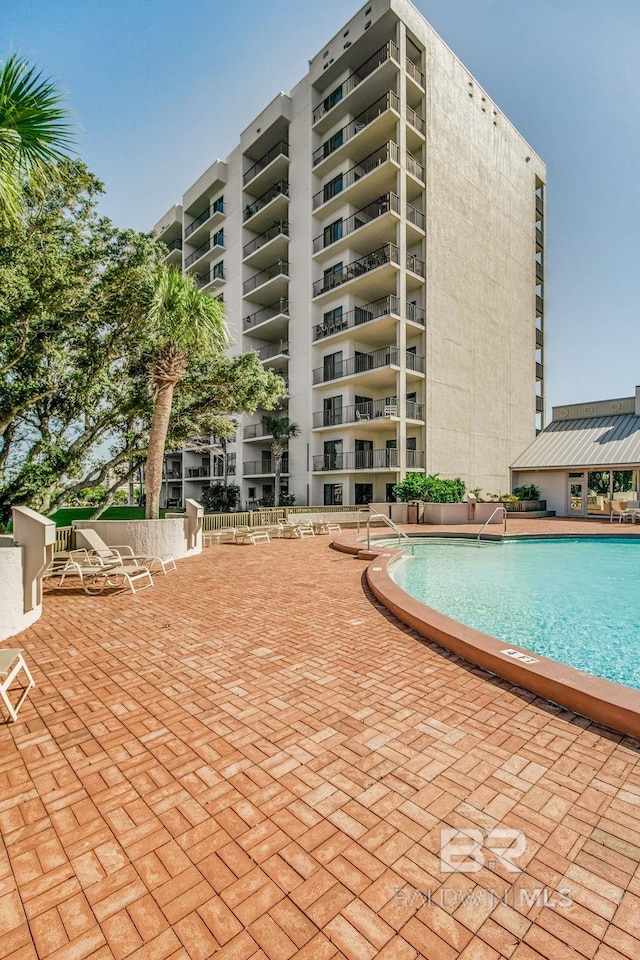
<point x="34" y="133"/>
<point x="281" y="430"/>
<point x="188" y="324"/>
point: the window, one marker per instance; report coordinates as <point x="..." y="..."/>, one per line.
<point x="332" y="366"/>
<point x="251" y="493"/>
<point x="218" y="205"/>
<point x="332" y="455"/>
<point x="363" y="493"/>
<point x="332" y="143"/>
<point x="333" y="232"/>
<point x="333" y="276"/>
<point x="332" y="188"/>
<point x="218" y="239"/>
<point x="334" y="97"/>
<point x="332" y="408"/>
<point x="333" y="494"/>
<point x="218" y="270"/>
<point x="332" y="321"/>
<point x="364" y="456"/>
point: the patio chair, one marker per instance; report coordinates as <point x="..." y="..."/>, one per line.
<point x="251" y="535"/>
<point x="630" y="512"/>
<point x="12" y="664"/>
<point x="300" y="528"/>
<point x="123" y="554"/>
<point x="95" y="573"/>
<point x="226" y="534"/>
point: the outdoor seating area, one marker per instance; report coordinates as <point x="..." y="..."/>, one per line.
<point x="97" y="573"/>
<point x="178" y="786"/>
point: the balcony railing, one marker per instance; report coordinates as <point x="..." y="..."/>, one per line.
<point x="216" y="207"/>
<point x="389" y="253"/>
<point x="279" y="228"/>
<point x="415" y="120"/>
<point x="415" y="217"/>
<point x="334" y="370"/>
<point x="414" y="72"/>
<point x="279" y="268"/>
<point x="389" y="151"/>
<point x="415" y="168"/>
<point x="368" y="410"/>
<point x="539" y="271"/>
<point x="276" y="309"/>
<point x="539" y="338"/>
<point x="539" y="371"/>
<point x="263" y="468"/>
<point x="389" y="202"/>
<point x="415" y="265"/>
<point x="278" y="189"/>
<point x="539" y="205"/>
<point x="388" y="52"/>
<point x="539" y="306"/>
<point x="539" y="237"/>
<point x="278" y="349"/>
<point x="280" y="149"/>
<point x="370" y="311"/>
<point x="204" y="278"/>
<point x="539" y="405"/>
<point x="216" y="241"/>
<point x="368" y="459"/>
<point x="390" y="101"/>
<point x="174" y="245"/>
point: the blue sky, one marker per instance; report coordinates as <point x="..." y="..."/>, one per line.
<point x="160" y="88"/>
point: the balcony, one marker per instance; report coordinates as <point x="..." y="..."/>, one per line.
<point x="539" y="206"/>
<point x="416" y="223"/>
<point x="336" y="147"/>
<point x="213" y="279"/>
<point x="271" y="245"/>
<point x="271" y="321"/>
<point x="269" y="284"/>
<point x="174" y="252"/>
<point x="387" y="458"/>
<point x="539" y="272"/>
<point x="334" y="236"/>
<point x="539" y="306"/>
<point x="539" y="371"/>
<point x="341" y="99"/>
<point x="385" y="160"/>
<point x="263" y="468"/>
<point x="539" y="240"/>
<point x="368" y="363"/>
<point x="416" y="266"/>
<point x="539" y="404"/>
<point x="357" y="273"/>
<point x="215" y="243"/>
<point x="383" y="310"/>
<point x="539" y="338"/>
<point x="370" y="411"/>
<point x="416" y="121"/>
<point x="214" y="213"/>
<point x="271" y="206"/>
<point x="280" y="153"/>
<point x="414" y="73"/>
<point x="271" y="351"/>
<point x="415" y="168"/>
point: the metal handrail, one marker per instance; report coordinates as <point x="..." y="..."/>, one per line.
<point x="504" y="519"/>
<point x="389" y="522"/>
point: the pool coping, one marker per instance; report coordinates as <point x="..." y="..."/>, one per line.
<point x="609" y="703"/>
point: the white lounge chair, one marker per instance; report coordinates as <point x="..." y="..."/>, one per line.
<point x="12" y="664"/>
<point x="246" y="534"/>
<point x="95" y="573"/>
<point x="122" y="554"/>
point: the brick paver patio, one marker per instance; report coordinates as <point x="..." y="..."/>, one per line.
<point x="253" y="760"/>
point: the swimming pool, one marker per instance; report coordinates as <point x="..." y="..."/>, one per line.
<point x="573" y="600"/>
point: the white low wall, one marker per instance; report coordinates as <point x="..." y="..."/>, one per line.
<point x="157" y="538"/>
<point x="449" y="513"/>
<point x="13" y="617"/>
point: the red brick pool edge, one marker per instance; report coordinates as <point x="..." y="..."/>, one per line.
<point x="611" y="704"/>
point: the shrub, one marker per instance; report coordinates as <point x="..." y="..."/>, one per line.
<point x="220" y="499"/>
<point x="431" y="488"/>
<point x="530" y="492"/>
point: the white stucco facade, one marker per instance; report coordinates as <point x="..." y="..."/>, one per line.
<point x="378" y="237"/>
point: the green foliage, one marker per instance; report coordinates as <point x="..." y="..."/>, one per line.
<point x="431" y="488"/>
<point x="411" y="488"/>
<point x="529" y="492"/>
<point x="34" y="132"/>
<point x="218" y="498"/>
<point x="599" y="481"/>
<point x="75" y="348"/>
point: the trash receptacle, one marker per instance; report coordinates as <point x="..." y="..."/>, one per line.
<point x="412" y="513"/>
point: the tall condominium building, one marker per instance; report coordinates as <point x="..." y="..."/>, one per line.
<point x="377" y="236"/>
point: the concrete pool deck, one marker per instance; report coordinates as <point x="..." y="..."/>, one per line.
<point x="255" y="760"/>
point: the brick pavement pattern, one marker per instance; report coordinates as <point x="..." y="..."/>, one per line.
<point x="254" y="760"/>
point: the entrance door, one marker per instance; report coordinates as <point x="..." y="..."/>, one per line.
<point x="576" y="496"/>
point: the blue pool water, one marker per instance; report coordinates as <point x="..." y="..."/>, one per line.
<point x="573" y="600"/>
